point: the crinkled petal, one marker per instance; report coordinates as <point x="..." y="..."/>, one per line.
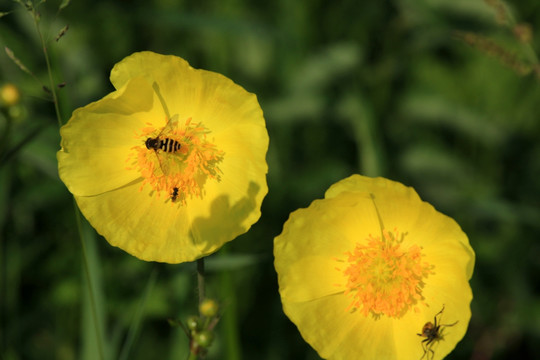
<point x="340" y="335"/>
<point x="400" y="207"/>
<point x="406" y="330"/>
<point x="154" y="229"/>
<point x="376" y="186"/>
<point x="204" y="96"/>
<point x="217" y="219"/>
<point x="313" y="240"/>
<point x="98" y="138"/>
<point x="232" y="204"/>
<point x="143" y="225"/>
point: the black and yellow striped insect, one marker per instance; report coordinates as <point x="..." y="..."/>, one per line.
<point x="433" y="332"/>
<point x="165" y="144"/>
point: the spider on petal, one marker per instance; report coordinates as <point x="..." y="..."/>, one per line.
<point x="432" y="331"/>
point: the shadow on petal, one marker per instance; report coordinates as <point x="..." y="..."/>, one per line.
<point x="226" y="221"/>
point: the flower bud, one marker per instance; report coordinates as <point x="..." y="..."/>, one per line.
<point x="204" y="338"/>
<point x="192" y="322"/>
<point x="9" y="95"/>
<point x="209" y="308"/>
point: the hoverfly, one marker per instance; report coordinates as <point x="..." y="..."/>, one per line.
<point x="432" y="331"/>
<point x="165" y="144"/>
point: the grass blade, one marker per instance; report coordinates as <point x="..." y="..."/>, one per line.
<point x="138" y="317"/>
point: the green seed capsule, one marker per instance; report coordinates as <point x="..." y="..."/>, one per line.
<point x="192" y="322"/>
<point x="204" y="338"/>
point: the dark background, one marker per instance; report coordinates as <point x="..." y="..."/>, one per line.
<point x="387" y="88"/>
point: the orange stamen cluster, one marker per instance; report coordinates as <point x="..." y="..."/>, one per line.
<point x="383" y="278"/>
<point x="183" y="172"/>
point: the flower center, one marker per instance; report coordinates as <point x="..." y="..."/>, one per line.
<point x="383" y="278"/>
<point x="177" y="160"/>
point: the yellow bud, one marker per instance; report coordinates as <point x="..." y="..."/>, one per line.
<point x="9" y="95"/>
<point x="209" y="308"/>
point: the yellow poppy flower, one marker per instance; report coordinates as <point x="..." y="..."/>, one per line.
<point x="171" y="165"/>
<point x="363" y="273"/>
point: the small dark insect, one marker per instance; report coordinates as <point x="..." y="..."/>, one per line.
<point x="432" y="331"/>
<point x="174" y="194"/>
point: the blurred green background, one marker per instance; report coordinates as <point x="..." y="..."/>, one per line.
<point x="378" y="88"/>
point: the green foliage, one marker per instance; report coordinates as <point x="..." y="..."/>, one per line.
<point x="378" y="88"/>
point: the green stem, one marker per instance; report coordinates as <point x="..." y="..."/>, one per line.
<point x="229" y="327"/>
<point x="52" y="87"/>
<point x="91" y="291"/>
<point x="89" y="282"/>
<point x="200" y="288"/>
<point x="7" y="132"/>
<point x="6" y="155"/>
<point x="200" y="279"/>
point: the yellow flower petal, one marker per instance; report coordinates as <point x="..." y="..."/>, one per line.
<point x="316" y="254"/>
<point x="97" y="140"/>
<point x="375" y="264"/>
<point x="336" y="332"/>
<point x="202" y="95"/>
<point x="376" y="186"/>
<point x="171" y="165"/>
<point x="128" y="212"/>
<point x="172" y="234"/>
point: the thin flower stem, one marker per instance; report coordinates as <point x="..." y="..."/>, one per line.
<point x="229" y="326"/>
<point x="200" y="279"/>
<point x="89" y="282"/>
<point x="5" y="156"/>
<point x="52" y="87"/>
<point x="5" y="135"/>
<point x="91" y="291"/>
<point x="192" y="356"/>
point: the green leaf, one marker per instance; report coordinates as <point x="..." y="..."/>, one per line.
<point x="139" y="317"/>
